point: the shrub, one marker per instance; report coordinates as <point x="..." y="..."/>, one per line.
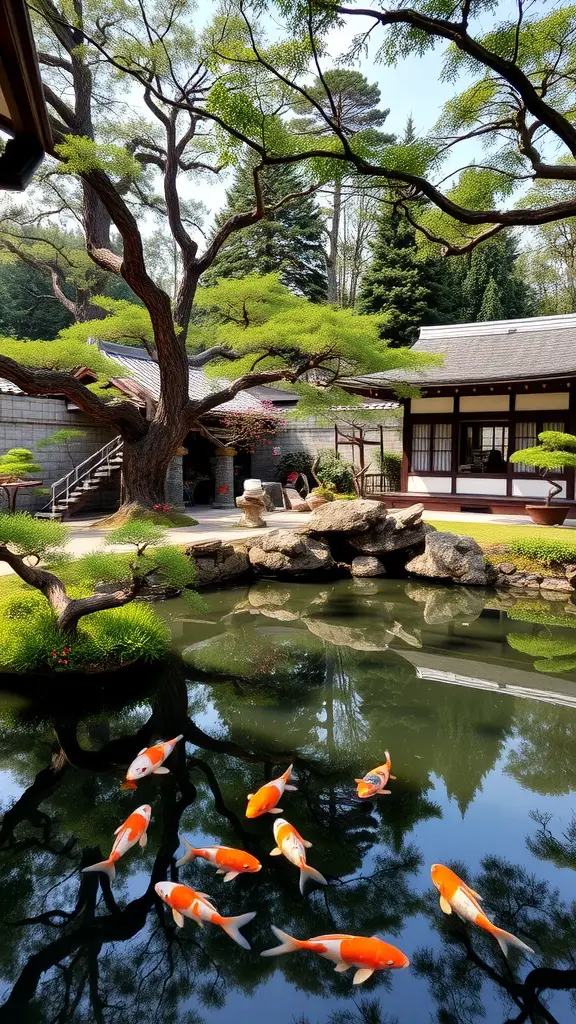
<point x="345" y="497"/>
<point x="389" y="464"/>
<point x="106" y="639"/>
<point x="298" y="461"/>
<point x="545" y="549"/>
<point x="323" y="492"/>
<point x="333" y="469"/>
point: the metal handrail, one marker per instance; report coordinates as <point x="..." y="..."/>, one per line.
<point x="60" y="489"/>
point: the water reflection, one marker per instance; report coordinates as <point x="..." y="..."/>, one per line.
<point x="484" y="749"/>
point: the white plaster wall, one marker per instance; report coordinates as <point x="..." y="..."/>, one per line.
<point x="430" y="484"/>
<point x="534" y="489"/>
<point x="545" y="400"/>
<point x="480" y="485"/>
<point x="433" y="405"/>
<point x="485" y="403"/>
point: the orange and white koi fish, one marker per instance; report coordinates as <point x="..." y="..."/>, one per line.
<point x="230" y="862"/>
<point x="264" y="801"/>
<point x="149" y="762"/>
<point x="132" y="831"/>
<point x="456" y="896"/>
<point x="366" y="955"/>
<point x="293" y="846"/>
<point x="185" y="902"/>
<point x="374" y="783"/>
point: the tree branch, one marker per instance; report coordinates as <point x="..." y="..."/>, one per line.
<point x="122" y="415"/>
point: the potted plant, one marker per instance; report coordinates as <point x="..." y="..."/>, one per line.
<point x="320" y="495"/>
<point x="555" y="451"/>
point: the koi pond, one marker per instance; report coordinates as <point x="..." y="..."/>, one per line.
<point x="473" y="694"/>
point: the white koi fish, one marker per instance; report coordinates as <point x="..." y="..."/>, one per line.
<point x="132" y="831"/>
<point x="291" y="844"/>
<point x="186" y="902"/>
<point x="149" y="762"/>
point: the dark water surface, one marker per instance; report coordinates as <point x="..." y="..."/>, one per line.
<point x="474" y="696"/>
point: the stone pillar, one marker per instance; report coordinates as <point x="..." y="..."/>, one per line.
<point x="175" y="484"/>
<point x="223" y="468"/>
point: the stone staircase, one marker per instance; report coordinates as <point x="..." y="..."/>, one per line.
<point x="71" y="492"/>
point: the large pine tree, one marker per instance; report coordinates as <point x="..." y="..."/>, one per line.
<point x="289" y="241"/>
<point x="490" y="282"/>
<point x="410" y="288"/>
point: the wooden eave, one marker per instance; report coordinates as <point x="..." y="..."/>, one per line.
<point x="23" y="113"/>
<point x="485" y="387"/>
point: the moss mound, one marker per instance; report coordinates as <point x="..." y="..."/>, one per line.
<point x="128" y="513"/>
<point x="30" y="641"/>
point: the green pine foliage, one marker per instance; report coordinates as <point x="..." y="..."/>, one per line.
<point x="409" y="288"/>
<point x="490" y="284"/>
<point x="258" y="317"/>
<point x="555" y="450"/>
<point x="491" y="308"/>
<point x="26" y="308"/>
<point x="137" y="532"/>
<point x="19" y="464"/>
<point x="28" y="536"/>
<point x="289" y="241"/>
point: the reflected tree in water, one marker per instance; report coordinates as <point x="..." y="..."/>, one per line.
<point x="74" y="951"/>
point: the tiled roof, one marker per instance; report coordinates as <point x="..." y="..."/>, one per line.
<point x="8" y="388"/>
<point x="138" y="367"/>
<point x="498" y="350"/>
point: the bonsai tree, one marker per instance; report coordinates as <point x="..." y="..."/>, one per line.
<point x="47" y="615"/>
<point x="139" y="533"/>
<point x="63" y="438"/>
<point x="555" y="450"/>
<point x="16" y="465"/>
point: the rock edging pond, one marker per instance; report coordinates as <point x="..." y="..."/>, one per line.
<point x="362" y="538"/>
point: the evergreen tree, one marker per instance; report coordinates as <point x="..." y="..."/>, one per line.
<point x="352" y="103"/>
<point x="412" y="289"/>
<point x="492" y="268"/>
<point x="491" y="308"/>
<point x="289" y="241"/>
<point x="27" y="309"/>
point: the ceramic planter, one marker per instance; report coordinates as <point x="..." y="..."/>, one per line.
<point x="548" y="515"/>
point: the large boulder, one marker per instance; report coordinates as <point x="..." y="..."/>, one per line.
<point x="452" y="557"/>
<point x="346" y="517"/>
<point x="288" y="553"/>
<point x="397" y="532"/>
<point x="218" y="562"/>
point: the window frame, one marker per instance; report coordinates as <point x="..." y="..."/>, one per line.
<point x="435" y="428"/>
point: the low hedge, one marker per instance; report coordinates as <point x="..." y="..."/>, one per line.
<point x="548" y="550"/>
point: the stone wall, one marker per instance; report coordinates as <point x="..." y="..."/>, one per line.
<point x="24" y="421"/>
<point x="311" y="436"/>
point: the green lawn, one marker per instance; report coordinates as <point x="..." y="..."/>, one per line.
<point x="499" y="533"/>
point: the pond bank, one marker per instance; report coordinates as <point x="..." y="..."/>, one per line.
<point x="363" y="539"/>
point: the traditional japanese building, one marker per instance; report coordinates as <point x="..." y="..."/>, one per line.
<point x="499" y="385"/>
